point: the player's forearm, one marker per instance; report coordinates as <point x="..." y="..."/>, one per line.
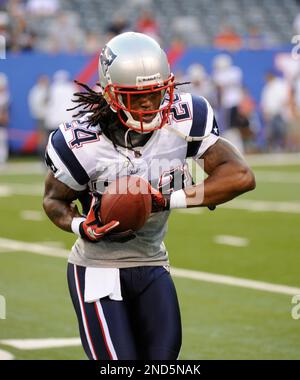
<point x="225" y="183"/>
<point x="58" y="203"/>
<point x="60" y="213"/>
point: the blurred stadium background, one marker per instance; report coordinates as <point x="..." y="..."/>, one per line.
<point x="236" y="269"/>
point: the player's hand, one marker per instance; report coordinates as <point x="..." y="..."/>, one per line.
<point x="159" y="202"/>
<point x="92" y="229"/>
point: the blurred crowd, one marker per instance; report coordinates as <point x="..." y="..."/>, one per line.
<point x="48" y="26"/>
<point x="271" y="124"/>
<point x="48" y="101"/>
<point x="4" y="118"/>
<point x="41" y="25"/>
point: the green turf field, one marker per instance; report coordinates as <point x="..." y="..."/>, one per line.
<point x="220" y="321"/>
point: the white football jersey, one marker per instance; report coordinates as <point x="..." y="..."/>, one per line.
<point x="87" y="161"/>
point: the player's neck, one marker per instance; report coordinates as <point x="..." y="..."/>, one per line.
<point x="128" y="138"/>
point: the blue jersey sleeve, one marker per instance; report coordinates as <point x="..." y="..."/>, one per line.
<point x="63" y="162"/>
<point x="204" y="124"/>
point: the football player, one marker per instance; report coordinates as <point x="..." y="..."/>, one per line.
<point x="120" y="283"/>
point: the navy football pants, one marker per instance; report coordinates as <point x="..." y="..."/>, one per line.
<point x="145" y="325"/>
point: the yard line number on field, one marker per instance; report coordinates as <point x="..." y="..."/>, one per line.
<point x="21" y="246"/>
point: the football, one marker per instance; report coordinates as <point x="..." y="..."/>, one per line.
<point x="127" y="200"/>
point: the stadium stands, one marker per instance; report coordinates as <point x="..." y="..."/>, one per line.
<point x="196" y="22"/>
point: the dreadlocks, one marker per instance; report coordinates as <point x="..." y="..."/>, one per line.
<point x="93" y="103"/>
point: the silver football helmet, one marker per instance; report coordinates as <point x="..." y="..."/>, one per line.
<point x="133" y="64"/>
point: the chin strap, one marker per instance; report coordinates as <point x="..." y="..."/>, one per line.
<point x="126" y="138"/>
<point x="137" y="153"/>
<point x="185" y="137"/>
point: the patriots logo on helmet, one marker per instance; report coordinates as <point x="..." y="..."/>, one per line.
<point x="106" y="58"/>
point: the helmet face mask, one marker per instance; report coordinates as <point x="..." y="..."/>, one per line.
<point x="136" y="81"/>
<point x="123" y="101"/>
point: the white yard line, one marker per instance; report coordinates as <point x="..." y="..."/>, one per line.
<point x="238" y="204"/>
<point x="37" y="189"/>
<point x="40" y="249"/>
<point x="250" y="205"/>
<point x="194" y="210"/>
<point x="37" y="344"/>
<point x="277" y="177"/>
<point x="234" y="281"/>
<point x="268" y="159"/>
<point x="263" y="206"/>
<point x="8" y="190"/>
<point x="235" y="241"/>
<point x="178" y="272"/>
<point x="273" y="159"/>
<point x="23" y="168"/>
<point x="32" y="215"/>
<point x="5" y="355"/>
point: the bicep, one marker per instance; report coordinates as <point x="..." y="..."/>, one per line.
<point x="56" y="190"/>
<point x="222" y="152"/>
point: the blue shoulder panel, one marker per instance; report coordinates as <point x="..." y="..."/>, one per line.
<point x="69" y="158"/>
